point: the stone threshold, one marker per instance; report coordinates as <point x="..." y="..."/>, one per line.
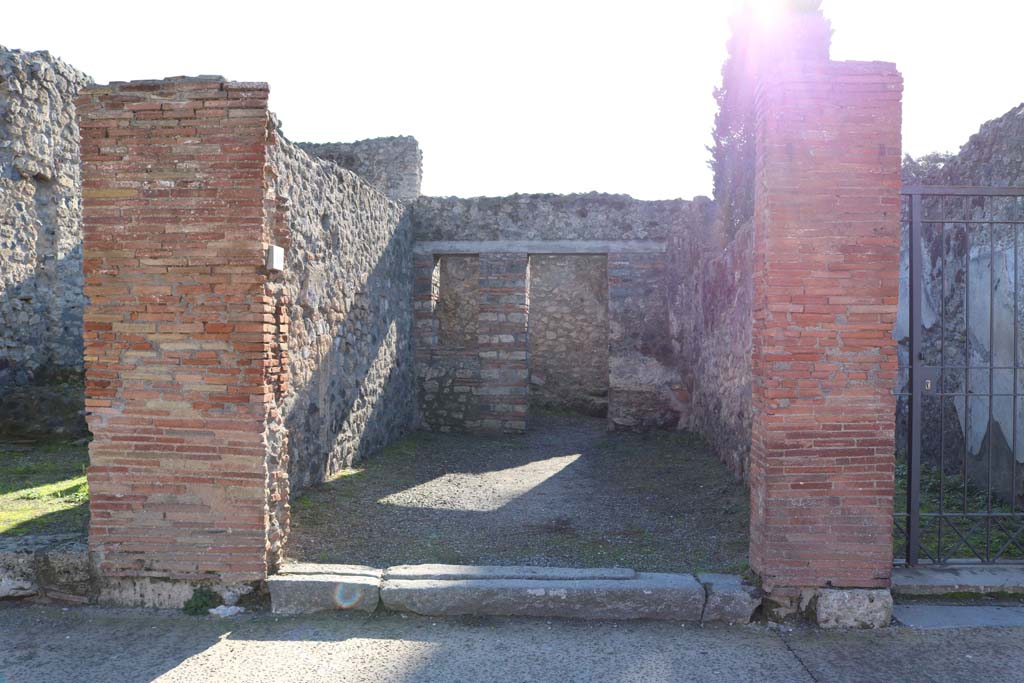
<point x="455" y="590"/>
<point x="963" y="581"/>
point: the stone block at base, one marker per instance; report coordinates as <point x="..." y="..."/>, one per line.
<point x="141" y="591"/>
<point x="853" y="608"/>
<point x="54" y="567"/>
<point x="308" y="593"/>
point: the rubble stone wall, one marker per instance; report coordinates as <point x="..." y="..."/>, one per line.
<point x="347" y="285"/>
<point x="393" y="165"/>
<point x="41" y="297"/>
<point x="598" y="322"/>
<point x="711" y="311"/>
<point x="569" y="333"/>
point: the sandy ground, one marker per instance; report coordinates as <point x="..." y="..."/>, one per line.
<point x="567" y="493"/>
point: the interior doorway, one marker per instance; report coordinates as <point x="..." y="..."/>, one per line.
<point x="568" y="333"/>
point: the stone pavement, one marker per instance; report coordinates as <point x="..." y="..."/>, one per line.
<point x="48" y="643"/>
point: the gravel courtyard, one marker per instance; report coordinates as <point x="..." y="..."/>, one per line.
<point x="567" y="493"/>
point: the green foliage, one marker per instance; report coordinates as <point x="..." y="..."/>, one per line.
<point x="202" y="601"/>
<point x="43" y="487"/>
<point x="950" y="493"/>
<point x="924" y="169"/>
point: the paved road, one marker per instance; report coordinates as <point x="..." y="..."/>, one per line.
<point x="46" y="643"/>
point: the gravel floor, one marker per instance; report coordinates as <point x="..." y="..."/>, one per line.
<point x="565" y="494"/>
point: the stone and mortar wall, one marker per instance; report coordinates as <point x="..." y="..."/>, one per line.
<point x="208" y="377"/>
<point x="710" y="302"/>
<point x="449" y="364"/>
<point x="644" y="385"/>
<point x="347" y="286"/>
<point x="40" y="245"/>
<point x="592" y="216"/>
<point x="645" y="389"/>
<point x="569" y="333"/>
<point x="393" y="165"/>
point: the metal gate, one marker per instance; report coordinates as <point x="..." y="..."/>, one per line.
<point x="960" y="467"/>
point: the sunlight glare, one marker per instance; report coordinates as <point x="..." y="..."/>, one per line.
<point x="479" y="492"/>
<point x="768" y="13"/>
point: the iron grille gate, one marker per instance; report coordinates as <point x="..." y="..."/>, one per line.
<point x="959" y="468"/>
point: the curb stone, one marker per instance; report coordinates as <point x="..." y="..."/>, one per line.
<point x="304" y="592"/>
<point x="440" y="590"/>
<point x="729" y="600"/>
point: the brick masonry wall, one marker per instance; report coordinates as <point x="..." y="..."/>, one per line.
<point x="41" y="298"/>
<point x="458" y="306"/>
<point x="347" y="287"/>
<point x="503" y="394"/>
<point x="826" y="271"/>
<point x="180" y="335"/>
<point x="569" y="313"/>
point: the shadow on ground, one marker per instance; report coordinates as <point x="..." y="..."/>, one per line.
<point x="567" y="493"/>
<point x="42" y="486"/>
<point x="45" y="643"/>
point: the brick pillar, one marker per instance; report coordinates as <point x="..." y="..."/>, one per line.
<point x="503" y="344"/>
<point x="181" y="341"/>
<point x="826" y="273"/>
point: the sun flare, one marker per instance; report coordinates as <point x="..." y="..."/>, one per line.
<point x="768" y="13"/>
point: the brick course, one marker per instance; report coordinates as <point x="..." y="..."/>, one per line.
<point x="184" y="351"/>
<point x="826" y="271"/>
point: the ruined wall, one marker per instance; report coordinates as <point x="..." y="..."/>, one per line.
<point x="458" y="305"/>
<point x="348" y="287"/>
<point x="711" y="324"/>
<point x="994" y="156"/>
<point x="645" y="388"/>
<point x="393" y="165"/>
<point x="569" y="333"/>
<point x="40" y="245"/>
<point x="956" y="270"/>
<point x="592" y="216"/>
<point x="643" y="381"/>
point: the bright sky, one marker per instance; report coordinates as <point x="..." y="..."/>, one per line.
<point x="531" y="95"/>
